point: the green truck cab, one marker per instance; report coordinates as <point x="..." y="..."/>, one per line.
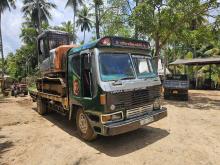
<point x="112" y="87"/>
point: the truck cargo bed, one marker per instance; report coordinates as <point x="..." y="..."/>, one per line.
<point x="36" y="94"/>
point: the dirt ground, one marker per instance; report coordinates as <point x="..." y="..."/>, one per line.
<point x="189" y="135"/>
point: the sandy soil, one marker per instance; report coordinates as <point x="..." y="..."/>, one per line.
<point x="189" y="135"/>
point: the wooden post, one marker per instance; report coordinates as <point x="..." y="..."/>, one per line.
<point x="196" y="76"/>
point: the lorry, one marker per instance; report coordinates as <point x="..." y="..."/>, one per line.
<point x="176" y="86"/>
<point x="108" y="86"/>
<point x="19" y="89"/>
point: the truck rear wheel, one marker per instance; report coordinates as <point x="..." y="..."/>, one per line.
<point x="83" y="127"/>
<point x="12" y="93"/>
<point x="41" y="106"/>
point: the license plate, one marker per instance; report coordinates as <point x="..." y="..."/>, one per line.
<point x="147" y="120"/>
<point x="175" y="92"/>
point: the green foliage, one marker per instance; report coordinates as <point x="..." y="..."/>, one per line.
<point x="114" y="21"/>
<point x="66" y="27"/>
<point x="11" y="64"/>
<point x="173" y="21"/>
<point x="189" y="55"/>
<point x="216" y="74"/>
<point x="30" y="9"/>
<point x="4" y="4"/>
<point x="74" y="4"/>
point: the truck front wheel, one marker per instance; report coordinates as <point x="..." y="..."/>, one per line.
<point x="83" y="127"/>
<point x="41" y="106"/>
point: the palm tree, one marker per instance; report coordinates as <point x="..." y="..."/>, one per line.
<point x="38" y="10"/>
<point x="84" y="21"/>
<point x="4" y="4"/>
<point x="74" y="4"/>
<point x="68" y="27"/>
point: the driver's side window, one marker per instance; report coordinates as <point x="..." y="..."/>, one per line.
<point x="86" y="75"/>
<point x="76" y="65"/>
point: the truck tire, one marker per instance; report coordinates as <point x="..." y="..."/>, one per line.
<point x="5" y="94"/>
<point x="84" y="129"/>
<point x="41" y="106"/>
<point x="15" y="93"/>
<point x="186" y="97"/>
<point x="12" y="93"/>
<point x="166" y="97"/>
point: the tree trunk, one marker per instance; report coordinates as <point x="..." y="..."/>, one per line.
<point x="165" y="65"/>
<point x="135" y="27"/>
<point x="39" y="17"/>
<point x="74" y="25"/>
<point x="157" y="52"/>
<point x="97" y="21"/>
<point x="84" y="37"/>
<point x="1" y="47"/>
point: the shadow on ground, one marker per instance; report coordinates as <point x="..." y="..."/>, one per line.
<point x="3" y="99"/>
<point x="113" y="146"/>
<point x="198" y="101"/>
<point x="4" y="145"/>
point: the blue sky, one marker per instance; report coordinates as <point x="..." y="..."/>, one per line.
<point x="11" y="24"/>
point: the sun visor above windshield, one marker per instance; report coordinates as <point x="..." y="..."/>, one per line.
<point x="123" y="42"/>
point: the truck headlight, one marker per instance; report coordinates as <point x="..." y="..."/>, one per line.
<point x="112" y="107"/>
<point x="105" y="118"/>
<point x="157" y="104"/>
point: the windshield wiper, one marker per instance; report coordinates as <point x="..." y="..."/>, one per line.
<point x="124" y="78"/>
<point x="118" y="81"/>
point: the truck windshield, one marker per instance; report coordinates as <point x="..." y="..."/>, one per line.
<point x="143" y="66"/>
<point x="115" y="67"/>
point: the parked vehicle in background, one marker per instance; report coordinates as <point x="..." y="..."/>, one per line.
<point x="176" y="87"/>
<point x="19" y="89"/>
<point x="107" y="87"/>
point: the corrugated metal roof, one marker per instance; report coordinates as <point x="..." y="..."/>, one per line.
<point x="197" y="61"/>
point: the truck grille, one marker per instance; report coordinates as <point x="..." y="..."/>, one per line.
<point x="134" y="99"/>
<point x="139" y="111"/>
<point x="139" y="98"/>
<point x="177" y="84"/>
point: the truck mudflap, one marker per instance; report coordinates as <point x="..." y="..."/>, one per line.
<point x="133" y="124"/>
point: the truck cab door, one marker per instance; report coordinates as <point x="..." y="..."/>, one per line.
<point x="74" y="75"/>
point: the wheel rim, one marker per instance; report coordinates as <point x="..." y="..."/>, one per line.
<point x="83" y="124"/>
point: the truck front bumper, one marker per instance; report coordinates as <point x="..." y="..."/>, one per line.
<point x="112" y="129"/>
